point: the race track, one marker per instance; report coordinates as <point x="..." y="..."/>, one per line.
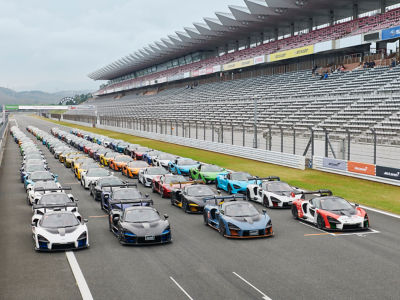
<point x="299" y="262"/>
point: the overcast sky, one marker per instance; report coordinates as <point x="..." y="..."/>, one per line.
<point x="52" y="45"/>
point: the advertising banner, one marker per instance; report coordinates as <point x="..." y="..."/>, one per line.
<point x="386" y="172"/>
<point x="391" y="33"/>
<point x="41" y="107"/>
<point x="292" y="53"/>
<point x="361" y="168"/>
<point x="186" y="75"/>
<point x="195" y="73"/>
<point x="216" y="69"/>
<point x="239" y="64"/>
<point x="334" y="164"/>
<point x="259" y="60"/>
<point x="202" y="72"/>
<point x="209" y="70"/>
<point x="11" y="107"/>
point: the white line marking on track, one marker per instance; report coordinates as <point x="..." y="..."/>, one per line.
<point x="180" y="287"/>
<point x="264" y="296"/>
<point x="380" y="212"/>
<point x="316" y="228"/>
<point x="80" y="279"/>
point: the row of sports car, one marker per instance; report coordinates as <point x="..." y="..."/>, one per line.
<point x="56" y="222"/>
<point x="319" y="207"/>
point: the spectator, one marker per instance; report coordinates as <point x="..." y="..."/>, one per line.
<point x="326" y="76"/>
<point x="314" y="69"/>
<point x="393" y="64"/>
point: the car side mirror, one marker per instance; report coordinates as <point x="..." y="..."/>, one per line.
<point x="85" y="220"/>
<point x="264" y="211"/>
<point x="33" y="224"/>
<point x="356" y="205"/>
<point x="146" y="195"/>
<point x="219" y="192"/>
<point x="166" y="216"/>
<point x="116" y="218"/>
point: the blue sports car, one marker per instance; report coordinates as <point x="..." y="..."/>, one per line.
<point x="236" y="219"/>
<point x="182" y="166"/>
<point x="235" y="182"/>
<point x="124" y="193"/>
<point x="39" y="176"/>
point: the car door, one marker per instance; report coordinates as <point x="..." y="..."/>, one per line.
<point x="312" y="211"/>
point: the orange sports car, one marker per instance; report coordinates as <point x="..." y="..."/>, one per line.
<point x="118" y="162"/>
<point x="132" y="169"/>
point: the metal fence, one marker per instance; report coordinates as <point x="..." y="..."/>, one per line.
<point x="3" y="136"/>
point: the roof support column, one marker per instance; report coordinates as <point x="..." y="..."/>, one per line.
<point x="355" y="9"/>
<point x="276" y="34"/>
<point x="331" y="17"/>
<point x="310" y="24"/>
<point x="382" y="4"/>
<point x="226" y="48"/>
<point x="237" y="45"/>
<point x="292" y="29"/>
<point x="248" y="42"/>
<point x="262" y="38"/>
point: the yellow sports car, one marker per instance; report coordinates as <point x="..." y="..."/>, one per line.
<point x="132" y="169"/>
<point x="83" y="167"/>
<point x="118" y="162"/>
<point x="65" y="154"/>
<point x="70" y="157"/>
<point x="104" y="158"/>
<point x="78" y="160"/>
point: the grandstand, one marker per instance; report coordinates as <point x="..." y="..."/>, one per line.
<point x="259" y="68"/>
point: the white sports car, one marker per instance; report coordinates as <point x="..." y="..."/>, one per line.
<point x="92" y="175"/>
<point x="146" y="175"/>
<point x="60" y="230"/>
<point x="163" y="159"/>
<point x="38" y="189"/>
<point x="273" y="193"/>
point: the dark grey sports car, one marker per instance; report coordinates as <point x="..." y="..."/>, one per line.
<point x="190" y="198"/>
<point x="139" y="225"/>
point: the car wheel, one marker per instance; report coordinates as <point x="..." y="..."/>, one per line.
<point x="185" y="206"/>
<point x="248" y="195"/>
<point x="162" y="193"/>
<point x="229" y="190"/>
<point x="109" y="224"/>
<point x="216" y="184"/>
<point x="265" y="201"/>
<point x="90" y="188"/>
<point x="320" y="222"/>
<point x="295" y="212"/>
<point x="222" y="230"/>
<point x="205" y="218"/>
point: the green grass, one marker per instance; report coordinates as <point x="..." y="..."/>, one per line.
<point x="373" y="194"/>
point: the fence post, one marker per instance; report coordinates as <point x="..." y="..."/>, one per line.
<point x="189" y="129"/>
<point x="294" y="140"/>
<point x="232" y="132"/>
<point x="270" y="137"/>
<point x="244" y="137"/>
<point x="183" y="128"/>
<point x="222" y="133"/>
<point x="197" y="132"/>
<point x="176" y="128"/>
<point x="280" y="128"/>
<point x="326" y="141"/>
<point x="212" y="131"/>
<point x="348" y="143"/>
<point x="204" y="136"/>
<point x="312" y="143"/>
<point x="374" y="133"/>
<point x="156" y="126"/>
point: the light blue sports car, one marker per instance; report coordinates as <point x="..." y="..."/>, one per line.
<point x="236" y="219"/>
<point x="235" y="182"/>
<point x="182" y="166"/>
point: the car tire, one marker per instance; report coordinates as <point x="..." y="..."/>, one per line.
<point x="162" y="192"/>
<point x="248" y="195"/>
<point x="222" y="230"/>
<point x="185" y="206"/>
<point x="265" y="202"/>
<point x="216" y="184"/>
<point x="229" y="190"/>
<point x="205" y="218"/>
<point x="90" y="188"/>
<point x="320" y="222"/>
<point x="295" y="212"/>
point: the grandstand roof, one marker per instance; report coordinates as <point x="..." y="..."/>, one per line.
<point x="270" y="17"/>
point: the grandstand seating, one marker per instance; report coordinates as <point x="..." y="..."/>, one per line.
<point x="355" y="100"/>
<point x="361" y="25"/>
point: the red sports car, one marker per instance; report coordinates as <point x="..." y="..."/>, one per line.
<point x="329" y="212"/>
<point x="165" y="184"/>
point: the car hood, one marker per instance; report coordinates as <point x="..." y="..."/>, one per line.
<point x="146" y="228"/>
<point x="248" y="223"/>
<point x="213" y="174"/>
<point x="198" y="200"/>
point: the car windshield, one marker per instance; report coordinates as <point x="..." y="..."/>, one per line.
<point x="111" y="181"/>
<point x="97" y="172"/>
<point x="165" y="156"/>
<point x="140" y="215"/>
<point x="157" y="171"/>
<point x="88" y="165"/>
<point x="175" y="178"/>
<point x="45" y="185"/>
<point x="138" y="164"/>
<point x="41" y="175"/>
<point x="34" y="156"/>
<point x="33" y="168"/>
<point x="127" y="194"/>
<point x="34" y="161"/>
<point x="199" y="190"/>
<point x="123" y="159"/>
<point x="109" y="154"/>
<point x="186" y="162"/>
<point x="240" y="210"/>
<point x="240" y="176"/>
<point x="54" y="198"/>
<point x="334" y="204"/>
<point x="59" y="220"/>
<point x="279" y="187"/>
<point x="211" y="168"/>
<point x="142" y="149"/>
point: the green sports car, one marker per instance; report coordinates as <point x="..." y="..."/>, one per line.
<point x="207" y="173"/>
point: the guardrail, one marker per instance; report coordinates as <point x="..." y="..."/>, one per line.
<point x="341" y="167"/>
<point x="278" y="158"/>
<point x="3" y="137"/>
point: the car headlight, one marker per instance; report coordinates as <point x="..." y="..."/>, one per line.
<point x="269" y="224"/>
<point x="166" y="230"/>
<point x="233" y="227"/>
<point x="106" y="196"/>
<point x="41" y="238"/>
<point x="273" y="199"/>
<point x="237" y="186"/>
<point x="128" y="233"/>
<point x="333" y="220"/>
<point x="83" y="235"/>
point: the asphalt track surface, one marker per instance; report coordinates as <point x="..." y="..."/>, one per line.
<point x="299" y="262"/>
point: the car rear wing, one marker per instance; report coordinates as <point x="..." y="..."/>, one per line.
<point x="136" y="202"/>
<point x="54" y="207"/>
<point x="41" y="189"/>
<point x="220" y="199"/>
<point x="186" y="182"/>
<point x="126" y="185"/>
<point x="322" y="192"/>
<point x="269" y="178"/>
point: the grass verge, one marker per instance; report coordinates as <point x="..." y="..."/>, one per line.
<point x="373" y="194"/>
